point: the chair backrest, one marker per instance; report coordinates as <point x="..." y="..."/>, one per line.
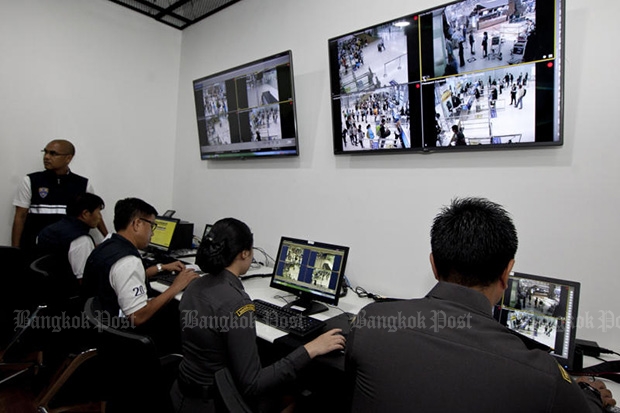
<point x="57" y="280"/>
<point x="14" y="290"/>
<point x="134" y="379"/>
<point x="229" y="393"/>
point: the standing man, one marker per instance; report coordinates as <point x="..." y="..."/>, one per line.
<point x="449" y="354"/>
<point x="42" y="198"/>
<point x="521" y="92"/>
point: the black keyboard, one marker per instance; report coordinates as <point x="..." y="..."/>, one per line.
<point x="287" y="320"/>
<point x="164" y="277"/>
<point x="183" y="253"/>
<point x="167" y="277"/>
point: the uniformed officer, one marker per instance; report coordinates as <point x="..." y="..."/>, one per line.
<point x="43" y="196"/>
<point x="218" y="330"/>
<point x="445" y="352"/>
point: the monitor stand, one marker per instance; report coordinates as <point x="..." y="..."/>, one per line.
<point x="306" y="306"/>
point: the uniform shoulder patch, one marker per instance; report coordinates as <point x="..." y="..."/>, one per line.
<point x="242" y="310"/>
<point x="565" y="374"/>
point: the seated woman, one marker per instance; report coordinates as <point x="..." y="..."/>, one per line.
<point x="218" y="329"/>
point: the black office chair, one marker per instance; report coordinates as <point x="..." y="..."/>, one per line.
<point x="58" y="283"/>
<point x="17" y="304"/>
<point x="76" y="367"/>
<point x="229" y="393"/>
<point x="135" y="378"/>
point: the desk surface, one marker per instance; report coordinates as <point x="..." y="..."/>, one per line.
<point x="259" y="288"/>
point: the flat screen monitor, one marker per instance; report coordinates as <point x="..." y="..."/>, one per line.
<point x="311" y="270"/>
<point x="543" y="309"/>
<point x="162" y="235"/>
<point x="462" y="76"/>
<point x="206" y="230"/>
<point x="248" y="111"/>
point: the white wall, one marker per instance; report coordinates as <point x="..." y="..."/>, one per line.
<point x="109" y="80"/>
<point x="565" y="201"/>
<point x="93" y="73"/>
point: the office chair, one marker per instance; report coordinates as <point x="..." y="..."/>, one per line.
<point x="229" y="393"/>
<point x="134" y="377"/>
<point x="73" y="364"/>
<point x="58" y="283"/>
<point x="16" y="358"/>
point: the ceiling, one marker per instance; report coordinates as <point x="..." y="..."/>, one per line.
<point x="176" y="13"/>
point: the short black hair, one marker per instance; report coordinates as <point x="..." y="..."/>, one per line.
<point x="84" y="202"/>
<point x="219" y="247"/>
<point x="472" y="241"/>
<point x="128" y="209"/>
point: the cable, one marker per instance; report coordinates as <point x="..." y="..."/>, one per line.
<point x="362" y="293"/>
<point x="267" y="256"/>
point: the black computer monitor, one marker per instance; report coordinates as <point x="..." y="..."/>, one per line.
<point x="311" y="270"/>
<point x="543" y="309"/>
<point x="206" y="231"/>
<point x="162" y="236"/>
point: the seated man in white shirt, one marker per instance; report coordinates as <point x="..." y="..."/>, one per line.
<point x="115" y="274"/>
<point x="70" y="237"/>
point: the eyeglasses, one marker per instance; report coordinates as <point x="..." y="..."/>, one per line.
<point x="53" y="153"/>
<point x="153" y="223"/>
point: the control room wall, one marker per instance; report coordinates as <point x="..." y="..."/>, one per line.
<point x="99" y="75"/>
<point x="564" y="201"/>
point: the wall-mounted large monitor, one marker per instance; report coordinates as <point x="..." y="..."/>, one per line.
<point x="248" y="111"/>
<point x="462" y="76"/>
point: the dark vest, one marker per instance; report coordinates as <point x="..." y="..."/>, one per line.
<point x="48" y="202"/>
<point x="57" y="238"/>
<point x="97" y="271"/>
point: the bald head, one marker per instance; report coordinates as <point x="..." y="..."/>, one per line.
<point x="57" y="155"/>
<point x="67" y="147"/>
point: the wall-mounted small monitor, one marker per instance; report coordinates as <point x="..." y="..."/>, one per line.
<point x="248" y="111"/>
<point x="461" y="76"/>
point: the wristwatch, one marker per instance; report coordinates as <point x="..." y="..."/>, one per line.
<point x="160" y="267"/>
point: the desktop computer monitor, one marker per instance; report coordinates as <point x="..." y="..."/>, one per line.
<point x="162" y="236"/>
<point x="542" y="309"/>
<point x="206" y="231"/>
<point x="313" y="271"/>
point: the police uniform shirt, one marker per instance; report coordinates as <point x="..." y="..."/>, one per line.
<point x="446" y="353"/>
<point x="217" y="324"/>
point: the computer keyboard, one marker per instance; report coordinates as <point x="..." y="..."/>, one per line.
<point x="165" y="277"/>
<point x="287" y="320"/>
<point x="183" y="253"/>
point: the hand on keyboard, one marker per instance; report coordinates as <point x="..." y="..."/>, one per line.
<point x="182" y="279"/>
<point x="325" y="343"/>
<point x="176" y="266"/>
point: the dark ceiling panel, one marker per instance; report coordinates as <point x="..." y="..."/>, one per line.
<point x="176" y="13"/>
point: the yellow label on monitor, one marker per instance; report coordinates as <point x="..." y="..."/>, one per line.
<point x="162" y="236"/>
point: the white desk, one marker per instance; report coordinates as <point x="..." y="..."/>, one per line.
<point x="259" y="288"/>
